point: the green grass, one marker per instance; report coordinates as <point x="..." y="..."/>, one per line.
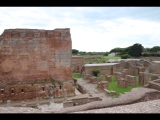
<point x="112" y="57"/>
<point x="76" y="75"/>
<point x="36" y="107"/>
<point x="105" y="58"/>
<point x="113" y="85"/>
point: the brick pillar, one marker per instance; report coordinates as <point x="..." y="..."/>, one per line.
<point x="145" y="81"/>
<point x="141" y="78"/>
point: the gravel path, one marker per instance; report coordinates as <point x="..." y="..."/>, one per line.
<point x="141" y="107"/>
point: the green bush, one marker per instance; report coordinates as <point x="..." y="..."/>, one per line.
<point x="125" y="56"/>
<point x="95" y="72"/>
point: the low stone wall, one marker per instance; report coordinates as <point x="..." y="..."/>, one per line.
<point x="95" y="80"/>
<point x="154" y="84"/>
<point x="136" y="95"/>
<point x="131" y="80"/>
<point x="127" y="81"/>
<point x="118" y="75"/>
<point x="122" y="83"/>
<point x="103" y="85"/>
<point x="80" y="101"/>
<point x="81" y="89"/>
<point x="86" y="76"/>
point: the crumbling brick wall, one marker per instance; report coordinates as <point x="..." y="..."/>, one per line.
<point x="24" y="91"/>
<point x="33" y="54"/>
<point x="28" y="54"/>
<point x="77" y="64"/>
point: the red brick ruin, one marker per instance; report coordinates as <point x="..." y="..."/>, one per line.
<point x="31" y="60"/>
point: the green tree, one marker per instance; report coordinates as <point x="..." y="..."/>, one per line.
<point x="146" y="49"/>
<point x="117" y="50"/>
<point x="135" y="50"/>
<point x="125" y="56"/>
<point x="155" y="49"/>
<point x="74" y="51"/>
<point x="106" y="53"/>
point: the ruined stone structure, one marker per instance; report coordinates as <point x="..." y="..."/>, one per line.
<point x="30" y="56"/>
<point x="23" y="91"/>
<point x="77" y="64"/>
<point x="103" y="85"/>
<point x="155" y="84"/>
<point x="105" y="68"/>
<point x="95" y="79"/>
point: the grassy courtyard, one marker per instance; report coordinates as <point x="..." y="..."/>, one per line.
<point x="113" y="85"/>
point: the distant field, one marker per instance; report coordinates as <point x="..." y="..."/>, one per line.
<point x="103" y="60"/>
<point x="112" y="57"/>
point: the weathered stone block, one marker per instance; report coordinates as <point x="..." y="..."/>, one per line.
<point x="67" y="104"/>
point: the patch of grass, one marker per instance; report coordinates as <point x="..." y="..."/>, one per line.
<point x="36" y="107"/>
<point x="45" y="98"/>
<point x="52" y="80"/>
<point x="113" y="85"/>
<point x="103" y="60"/>
<point x="112" y="57"/>
<point x="76" y="75"/>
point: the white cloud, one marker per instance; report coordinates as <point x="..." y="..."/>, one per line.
<point x="92" y="28"/>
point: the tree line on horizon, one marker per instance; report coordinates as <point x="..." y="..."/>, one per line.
<point x="135" y="51"/>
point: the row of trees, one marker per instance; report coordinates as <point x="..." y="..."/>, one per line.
<point x="153" y="49"/>
<point x="135" y="51"/>
<point x="77" y="52"/>
<point x="138" y="50"/>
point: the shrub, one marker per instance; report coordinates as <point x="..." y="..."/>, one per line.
<point x="52" y="80"/>
<point x="95" y="72"/>
<point x="125" y="56"/>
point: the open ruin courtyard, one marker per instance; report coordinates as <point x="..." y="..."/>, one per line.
<point x="36" y="68"/>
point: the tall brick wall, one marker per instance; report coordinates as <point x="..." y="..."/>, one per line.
<point x="33" y="55"/>
<point x="77" y="64"/>
<point x="27" y="54"/>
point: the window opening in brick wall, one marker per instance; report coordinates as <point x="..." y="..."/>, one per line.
<point x="43" y="88"/>
<point x="22" y="90"/>
<point x="2" y="91"/>
<point x="12" y="90"/>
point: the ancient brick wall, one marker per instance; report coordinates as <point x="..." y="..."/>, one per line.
<point x="77" y="64"/>
<point x="24" y="91"/>
<point x="106" y="69"/>
<point x="27" y="54"/>
<point x="155" y="84"/>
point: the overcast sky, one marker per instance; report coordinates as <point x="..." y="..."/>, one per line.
<point x="98" y="29"/>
